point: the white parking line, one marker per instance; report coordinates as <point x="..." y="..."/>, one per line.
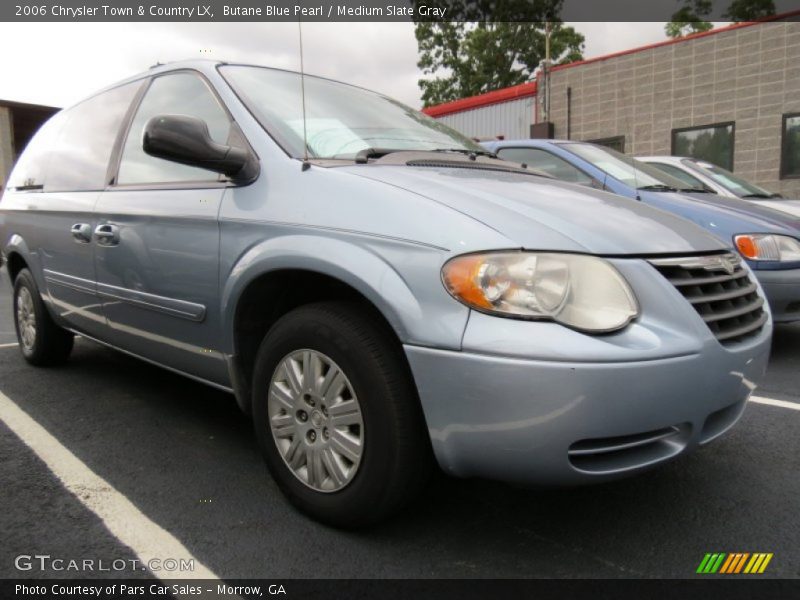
<point x="128" y="524"/>
<point x="773" y="402"/>
<point x="11" y="345"/>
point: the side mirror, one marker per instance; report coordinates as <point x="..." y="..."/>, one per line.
<point x="185" y="140"/>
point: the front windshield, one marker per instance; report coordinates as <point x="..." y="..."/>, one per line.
<point x="732" y="183"/>
<point x="625" y="169"/>
<point x="341" y="119"/>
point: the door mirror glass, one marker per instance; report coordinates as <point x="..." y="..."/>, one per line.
<point x="185" y="140"/>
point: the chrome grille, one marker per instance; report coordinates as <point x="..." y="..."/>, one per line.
<point x="721" y="291"/>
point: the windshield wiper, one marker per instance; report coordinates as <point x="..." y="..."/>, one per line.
<point x="467" y="152"/>
<point x="363" y="156"/>
<point x="657" y="187"/>
<point x="692" y="190"/>
<point x="762" y="196"/>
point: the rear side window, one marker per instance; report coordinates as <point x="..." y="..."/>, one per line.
<point x="545" y="162"/>
<point x="80" y="154"/>
<point x="28" y="173"/>
<point x="175" y="94"/>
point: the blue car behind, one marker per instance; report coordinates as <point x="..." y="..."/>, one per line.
<point x="768" y="239"/>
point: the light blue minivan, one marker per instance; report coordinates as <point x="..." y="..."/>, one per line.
<point x="373" y="288"/>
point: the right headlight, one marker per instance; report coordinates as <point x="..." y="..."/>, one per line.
<point x="764" y="246"/>
<point x="583" y="292"/>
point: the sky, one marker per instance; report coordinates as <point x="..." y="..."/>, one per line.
<point x="58" y="64"/>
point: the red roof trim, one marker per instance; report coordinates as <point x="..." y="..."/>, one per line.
<point x="529" y="89"/>
<point x="522" y="90"/>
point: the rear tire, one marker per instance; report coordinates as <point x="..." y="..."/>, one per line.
<point x="42" y="342"/>
<point x="356" y="451"/>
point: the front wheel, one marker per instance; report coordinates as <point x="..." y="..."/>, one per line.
<point x="42" y="342"/>
<point x="337" y="417"/>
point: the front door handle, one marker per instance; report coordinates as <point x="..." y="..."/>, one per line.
<point x="82" y="232"/>
<point x="107" y="234"/>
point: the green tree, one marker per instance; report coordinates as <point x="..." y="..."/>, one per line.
<point x="690" y="18"/>
<point x="489" y="45"/>
<point x="750" y="10"/>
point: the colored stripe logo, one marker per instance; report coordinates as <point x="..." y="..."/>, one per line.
<point x="734" y="563"/>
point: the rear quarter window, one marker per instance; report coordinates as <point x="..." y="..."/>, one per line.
<point x="80" y="155"/>
<point x="29" y="172"/>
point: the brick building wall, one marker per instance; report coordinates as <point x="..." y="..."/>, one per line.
<point x="748" y="75"/>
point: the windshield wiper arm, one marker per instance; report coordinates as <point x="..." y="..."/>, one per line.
<point x="658" y="187"/>
<point x="764" y="196"/>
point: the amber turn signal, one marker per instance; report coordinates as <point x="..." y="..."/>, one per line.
<point x="747" y="246"/>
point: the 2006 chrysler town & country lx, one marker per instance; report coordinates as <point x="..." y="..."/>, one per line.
<point x="381" y="295"/>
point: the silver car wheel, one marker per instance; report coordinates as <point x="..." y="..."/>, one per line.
<point x="316" y="420"/>
<point x="26" y="319"/>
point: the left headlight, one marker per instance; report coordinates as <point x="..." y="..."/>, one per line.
<point x="579" y="291"/>
<point x="760" y="246"/>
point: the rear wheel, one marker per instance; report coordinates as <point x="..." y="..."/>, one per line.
<point x="42" y="342"/>
<point x="337" y="416"/>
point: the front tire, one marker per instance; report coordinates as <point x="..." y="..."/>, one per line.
<point x="42" y="342"/>
<point x="337" y="416"/>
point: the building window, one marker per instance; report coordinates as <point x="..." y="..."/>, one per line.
<point x="616" y="142"/>
<point x="790" y="147"/>
<point x="712" y="143"/>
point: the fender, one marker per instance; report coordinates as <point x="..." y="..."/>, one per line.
<point x="355" y="265"/>
<point x="17" y="245"/>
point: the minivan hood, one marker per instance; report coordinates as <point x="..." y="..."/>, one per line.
<point x="545" y="214"/>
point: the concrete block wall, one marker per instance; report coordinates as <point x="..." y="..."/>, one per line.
<point x="749" y="75"/>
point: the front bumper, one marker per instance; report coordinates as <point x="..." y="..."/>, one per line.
<point x="539" y="404"/>
<point x="782" y="289"/>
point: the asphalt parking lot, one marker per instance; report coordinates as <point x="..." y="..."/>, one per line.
<point x="184" y="457"/>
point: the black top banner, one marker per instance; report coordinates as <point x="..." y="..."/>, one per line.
<point x="364" y="10"/>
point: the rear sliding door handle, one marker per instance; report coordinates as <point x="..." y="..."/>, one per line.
<point x="107" y="234"/>
<point x="82" y="232"/>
